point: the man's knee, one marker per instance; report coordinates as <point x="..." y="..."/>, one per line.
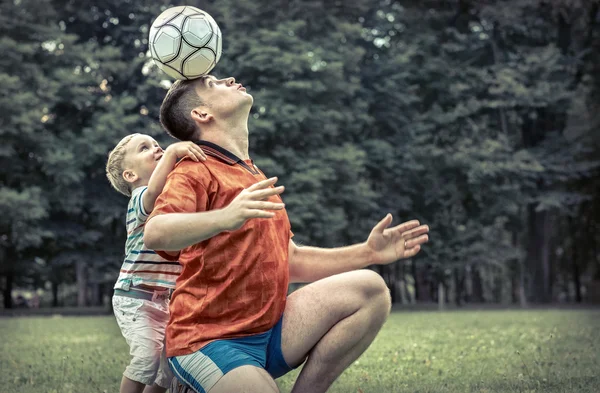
<point x="376" y="290"/>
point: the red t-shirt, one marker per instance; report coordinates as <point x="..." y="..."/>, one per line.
<point x="235" y="283"/>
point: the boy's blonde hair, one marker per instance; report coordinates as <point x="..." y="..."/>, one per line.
<point x="115" y="166"/>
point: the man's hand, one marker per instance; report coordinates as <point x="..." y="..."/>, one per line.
<point x="252" y="203"/>
<point x="190" y="149"/>
<point x="402" y="241"/>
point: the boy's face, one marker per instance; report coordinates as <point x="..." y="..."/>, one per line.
<point x="141" y="156"/>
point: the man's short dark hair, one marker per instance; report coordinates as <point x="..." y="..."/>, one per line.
<point x="176" y="108"/>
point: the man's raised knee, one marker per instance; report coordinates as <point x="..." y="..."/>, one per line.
<point x="376" y="289"/>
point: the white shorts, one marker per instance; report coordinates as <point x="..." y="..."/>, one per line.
<point x="143" y="323"/>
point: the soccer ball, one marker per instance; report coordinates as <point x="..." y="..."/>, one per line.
<point x="185" y="42"/>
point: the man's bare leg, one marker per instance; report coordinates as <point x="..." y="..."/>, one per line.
<point x="245" y="379"/>
<point x="332" y="321"/>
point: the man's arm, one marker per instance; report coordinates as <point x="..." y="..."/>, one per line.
<point x="159" y="177"/>
<point x="384" y="245"/>
<point x="176" y="231"/>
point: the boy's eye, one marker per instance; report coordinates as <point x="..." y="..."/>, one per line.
<point x="144" y="148"/>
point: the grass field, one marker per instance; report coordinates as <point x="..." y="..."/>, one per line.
<point x="463" y="351"/>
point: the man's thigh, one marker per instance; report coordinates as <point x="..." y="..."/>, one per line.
<point x="315" y="308"/>
<point x="245" y="379"/>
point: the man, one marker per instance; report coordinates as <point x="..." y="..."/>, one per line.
<point x="232" y="329"/>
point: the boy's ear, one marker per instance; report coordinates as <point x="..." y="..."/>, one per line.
<point x="129" y="176"/>
<point x="200" y="115"/>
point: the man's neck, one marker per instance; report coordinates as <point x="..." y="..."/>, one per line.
<point x="234" y="139"/>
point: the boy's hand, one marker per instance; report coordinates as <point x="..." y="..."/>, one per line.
<point x="190" y="149"/>
<point x="252" y="203"/>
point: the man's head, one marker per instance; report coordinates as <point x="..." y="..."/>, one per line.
<point x="131" y="163"/>
<point x="191" y="106"/>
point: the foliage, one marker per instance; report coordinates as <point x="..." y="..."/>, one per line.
<point x="477" y="118"/>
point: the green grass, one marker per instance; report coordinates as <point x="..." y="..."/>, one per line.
<point x="463" y="351"/>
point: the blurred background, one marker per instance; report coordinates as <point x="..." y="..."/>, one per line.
<point x="479" y="118"/>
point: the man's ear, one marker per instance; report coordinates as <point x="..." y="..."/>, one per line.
<point x="130" y="176"/>
<point x="200" y="115"/>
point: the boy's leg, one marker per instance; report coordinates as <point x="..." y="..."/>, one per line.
<point x="155" y="389"/>
<point x="332" y="322"/>
<point x="164" y="375"/>
<point x="142" y="323"/>
<point x="129" y="386"/>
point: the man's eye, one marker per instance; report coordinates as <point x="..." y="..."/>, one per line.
<point x="144" y="148"/>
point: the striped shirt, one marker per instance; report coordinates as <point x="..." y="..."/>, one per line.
<point x="141" y="265"/>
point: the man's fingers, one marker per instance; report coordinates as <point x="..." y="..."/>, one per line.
<point x="254" y="213"/>
<point x="411" y="252"/>
<point x="384" y="223"/>
<point x="418" y="231"/>
<point x="265" y="205"/>
<point x="405" y="226"/>
<point x="262" y="184"/>
<point x="258" y="195"/>
<point x="416" y="241"/>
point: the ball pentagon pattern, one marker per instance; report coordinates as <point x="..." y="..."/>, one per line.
<point x="185" y="42"/>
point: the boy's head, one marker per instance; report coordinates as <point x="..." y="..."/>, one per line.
<point x="131" y="163"/>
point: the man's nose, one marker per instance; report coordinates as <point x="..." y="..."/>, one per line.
<point x="230" y="81"/>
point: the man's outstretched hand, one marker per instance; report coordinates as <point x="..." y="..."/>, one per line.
<point x="391" y="244"/>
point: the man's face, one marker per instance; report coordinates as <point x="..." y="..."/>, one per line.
<point x="224" y="96"/>
<point x="142" y="154"/>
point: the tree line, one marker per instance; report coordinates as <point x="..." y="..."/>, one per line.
<point x="477" y="118"/>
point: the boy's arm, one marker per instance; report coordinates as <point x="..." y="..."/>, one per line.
<point x="158" y="179"/>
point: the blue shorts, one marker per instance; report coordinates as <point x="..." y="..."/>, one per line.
<point x="202" y="369"/>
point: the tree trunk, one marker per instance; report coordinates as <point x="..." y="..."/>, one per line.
<point x="522" y="291"/>
<point x="514" y="284"/>
<point x="477" y="285"/>
<point x="577" y="282"/>
<point x="80" y="273"/>
<point x="7" y="292"/>
<point x="538" y="254"/>
<point x="520" y="266"/>
<point x="391" y="280"/>
<point x="458" y="283"/>
<point x="400" y="284"/>
<point x="441" y="295"/>
<point x="94" y="294"/>
<point x="574" y="261"/>
<point x="55" y="293"/>
<point x="417" y="284"/>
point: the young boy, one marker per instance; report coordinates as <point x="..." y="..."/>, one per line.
<point x="137" y="167"/>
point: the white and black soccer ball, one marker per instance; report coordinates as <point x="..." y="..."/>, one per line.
<point x="185" y="42"/>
